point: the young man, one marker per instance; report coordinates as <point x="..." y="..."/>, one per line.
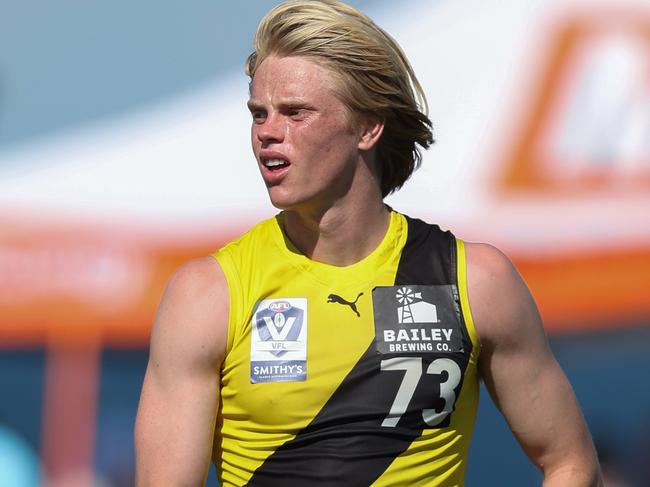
<point x="341" y="343"/>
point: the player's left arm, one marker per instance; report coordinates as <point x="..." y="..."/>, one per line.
<point x="522" y="375"/>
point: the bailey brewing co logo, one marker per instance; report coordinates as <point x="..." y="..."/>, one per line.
<point x="407" y="320"/>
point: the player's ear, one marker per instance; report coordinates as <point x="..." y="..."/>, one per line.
<point x="371" y="130"/>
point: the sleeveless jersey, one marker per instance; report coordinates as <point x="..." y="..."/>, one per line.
<point x="353" y="376"/>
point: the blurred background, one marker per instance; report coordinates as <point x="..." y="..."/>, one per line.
<point x="124" y="152"/>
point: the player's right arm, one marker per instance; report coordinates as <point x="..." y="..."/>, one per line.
<point x="180" y="396"/>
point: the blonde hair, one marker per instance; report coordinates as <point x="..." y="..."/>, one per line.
<point x="375" y="77"/>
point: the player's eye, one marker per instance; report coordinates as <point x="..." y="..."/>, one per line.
<point x="258" y="116"/>
<point x="296" y="113"/>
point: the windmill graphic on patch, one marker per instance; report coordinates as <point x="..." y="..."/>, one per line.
<point x="413" y="309"/>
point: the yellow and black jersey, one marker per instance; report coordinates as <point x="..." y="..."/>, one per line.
<point x="353" y="376"/>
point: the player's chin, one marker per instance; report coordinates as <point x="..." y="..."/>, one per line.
<point x="280" y="198"/>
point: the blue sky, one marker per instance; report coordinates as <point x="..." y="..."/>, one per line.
<point x="66" y="63"/>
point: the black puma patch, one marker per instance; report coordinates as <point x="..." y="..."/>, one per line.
<point x="334" y="298"/>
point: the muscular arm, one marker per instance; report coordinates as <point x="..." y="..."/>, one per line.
<point x="176" y="416"/>
<point x="522" y="376"/>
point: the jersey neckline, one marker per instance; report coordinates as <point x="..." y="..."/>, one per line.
<point x="359" y="271"/>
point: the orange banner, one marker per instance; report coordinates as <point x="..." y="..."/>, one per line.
<point x="67" y="284"/>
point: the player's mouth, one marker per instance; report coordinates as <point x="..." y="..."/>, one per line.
<point x="274" y="165"/>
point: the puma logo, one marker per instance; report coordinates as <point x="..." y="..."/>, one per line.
<point x="333" y="298"/>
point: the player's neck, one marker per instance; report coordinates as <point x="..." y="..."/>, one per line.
<point x="338" y="236"/>
<point x="341" y="229"/>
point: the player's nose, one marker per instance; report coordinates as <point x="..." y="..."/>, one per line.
<point x="272" y="130"/>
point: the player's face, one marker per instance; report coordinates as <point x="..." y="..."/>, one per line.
<point x="303" y="140"/>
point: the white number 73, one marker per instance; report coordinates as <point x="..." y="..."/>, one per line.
<point x="412" y="366"/>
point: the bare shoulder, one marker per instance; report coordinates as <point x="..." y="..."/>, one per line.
<point x="193" y="313"/>
<point x="179" y="397"/>
<point x="200" y="277"/>
<point x="501" y="303"/>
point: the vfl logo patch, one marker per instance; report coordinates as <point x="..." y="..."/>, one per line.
<point x="335" y="298"/>
<point x="408" y="321"/>
<point x="279" y="341"/>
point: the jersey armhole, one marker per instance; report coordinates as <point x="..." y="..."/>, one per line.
<point x="234" y="293"/>
<point x="461" y="273"/>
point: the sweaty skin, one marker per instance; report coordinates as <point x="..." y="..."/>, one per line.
<point x="176" y="418"/>
<point x="524" y="380"/>
<point x="328" y="186"/>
